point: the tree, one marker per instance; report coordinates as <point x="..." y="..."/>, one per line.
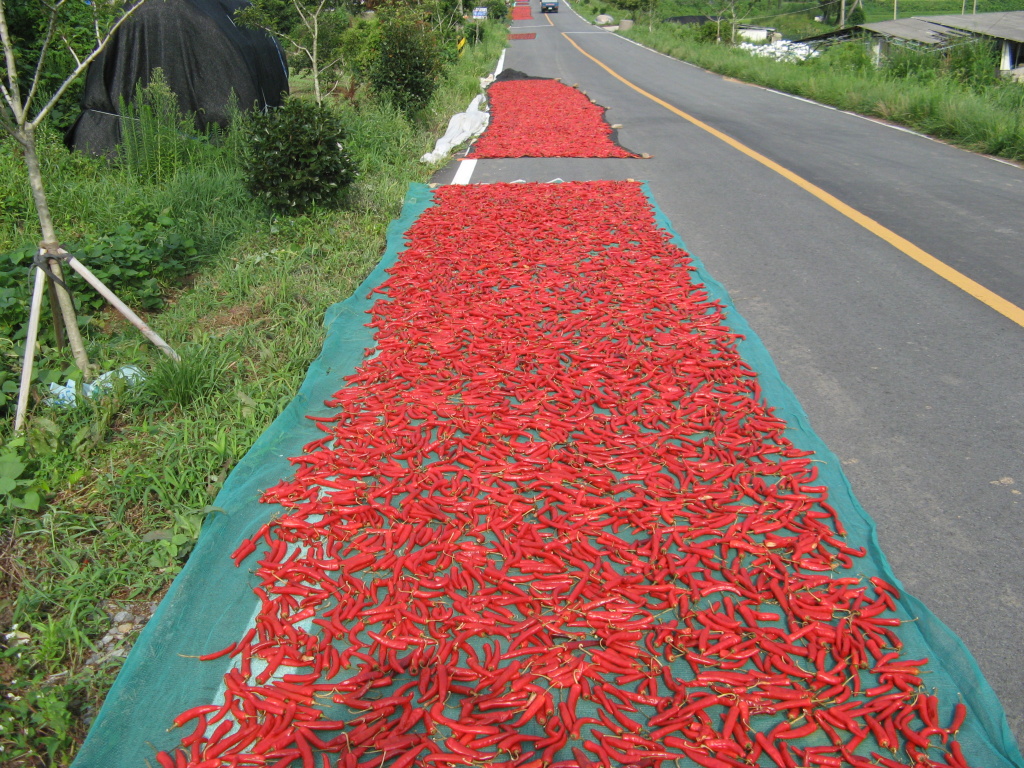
<point x="312" y="28"/>
<point x="407" y="66"/>
<point x="77" y="32"/>
<point x="731" y="10"/>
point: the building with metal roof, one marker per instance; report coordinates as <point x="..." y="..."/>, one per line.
<point x="915" y="29"/>
<point x="1005" y="25"/>
<point x="1006" y="28"/>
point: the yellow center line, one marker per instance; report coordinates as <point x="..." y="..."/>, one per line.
<point x="977" y="290"/>
<point x="550" y="22"/>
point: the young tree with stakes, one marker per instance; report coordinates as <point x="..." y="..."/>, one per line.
<point x="81" y="31"/>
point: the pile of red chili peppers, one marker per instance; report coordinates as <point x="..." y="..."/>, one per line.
<point x="553" y="523"/>
<point x="544" y="118"/>
<point x="521" y="12"/>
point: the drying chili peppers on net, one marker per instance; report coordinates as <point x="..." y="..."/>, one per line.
<point x="554" y="523"/>
<point x="521" y="12"/>
<point x="536" y="117"/>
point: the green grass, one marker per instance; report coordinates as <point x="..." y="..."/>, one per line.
<point x="128" y="479"/>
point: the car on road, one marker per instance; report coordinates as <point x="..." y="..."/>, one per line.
<point x="549" y="6"/>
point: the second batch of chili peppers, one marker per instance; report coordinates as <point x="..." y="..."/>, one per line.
<point x="554" y="523"/>
<point x="544" y="118"/>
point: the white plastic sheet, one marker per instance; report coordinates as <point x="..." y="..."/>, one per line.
<point x="461" y="128"/>
<point x="67" y="394"/>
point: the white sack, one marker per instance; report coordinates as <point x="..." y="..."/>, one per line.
<point x="461" y="128"/>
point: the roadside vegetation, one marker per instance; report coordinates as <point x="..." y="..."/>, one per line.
<point x="954" y="94"/>
<point x="101" y="503"/>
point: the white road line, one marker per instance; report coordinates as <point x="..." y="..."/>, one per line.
<point x="465" y="172"/>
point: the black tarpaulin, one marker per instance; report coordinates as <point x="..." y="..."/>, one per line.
<point x="204" y="56"/>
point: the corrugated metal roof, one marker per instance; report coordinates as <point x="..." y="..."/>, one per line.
<point x="917" y="28"/>
<point x="937" y="30"/>
<point x="1005" y="25"/>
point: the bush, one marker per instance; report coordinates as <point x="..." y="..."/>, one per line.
<point x="708" y="32"/>
<point x="497" y="10"/>
<point x="359" y="46"/>
<point x="974" y="62"/>
<point x="905" y="62"/>
<point x="296" y="158"/>
<point x="409" y="64"/>
<point x="853" y="56"/>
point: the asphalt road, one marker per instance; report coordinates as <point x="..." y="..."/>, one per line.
<point x="916" y="385"/>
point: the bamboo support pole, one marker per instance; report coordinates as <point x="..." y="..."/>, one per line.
<point x="30" y="349"/>
<point x="67" y="311"/>
<point x="58" y="317"/>
<point x="121" y="307"/>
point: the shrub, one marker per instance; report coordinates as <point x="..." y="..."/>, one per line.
<point x="497" y="10"/>
<point x="296" y="157"/>
<point x="409" y="64"/>
<point x="853" y="56"/>
<point x="359" y="46"/>
<point x="708" y="32"/>
<point x="974" y="62"/>
<point x="908" y="62"/>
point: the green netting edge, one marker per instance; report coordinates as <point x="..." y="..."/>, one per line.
<point x="209" y="605"/>
<point x="927" y="635"/>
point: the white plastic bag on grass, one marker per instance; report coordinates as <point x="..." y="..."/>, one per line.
<point x="461" y="128"/>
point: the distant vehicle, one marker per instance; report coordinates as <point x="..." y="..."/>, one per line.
<point x="549" y="6"/>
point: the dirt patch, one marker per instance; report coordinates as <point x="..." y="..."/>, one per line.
<point x="235" y="317"/>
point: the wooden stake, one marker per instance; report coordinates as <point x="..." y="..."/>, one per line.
<point x="121" y="307"/>
<point x="30" y="350"/>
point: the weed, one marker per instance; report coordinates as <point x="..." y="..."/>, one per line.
<point x="157" y="141"/>
<point x="198" y="375"/>
<point x="174" y="544"/>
